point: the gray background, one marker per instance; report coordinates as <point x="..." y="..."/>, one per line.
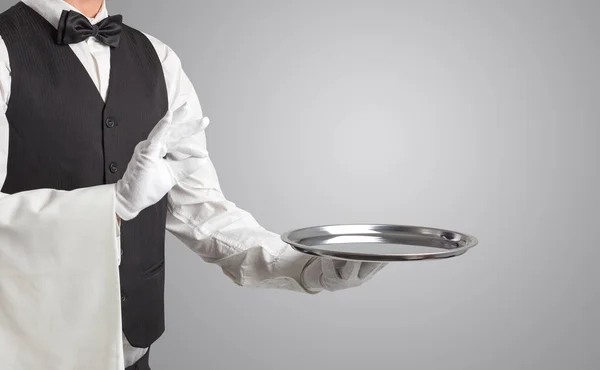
<point x="478" y="116"/>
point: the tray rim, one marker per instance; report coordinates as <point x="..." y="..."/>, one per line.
<point x="472" y="241"/>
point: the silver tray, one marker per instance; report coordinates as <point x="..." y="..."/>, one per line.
<point x="383" y="243"/>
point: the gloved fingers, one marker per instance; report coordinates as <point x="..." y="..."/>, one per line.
<point x="185" y="141"/>
<point x="368" y="269"/>
<point x="350" y="270"/>
<point x="191" y="146"/>
<point x="339" y="264"/>
<point x="183" y="168"/>
<point x="161" y="130"/>
<point x="149" y="149"/>
<point x="310" y="277"/>
<point x="176" y="156"/>
<point x="140" y="146"/>
<point x="329" y="268"/>
<point x="186" y="129"/>
<point x="182" y="112"/>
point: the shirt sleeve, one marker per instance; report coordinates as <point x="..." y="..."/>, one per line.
<point x="214" y="227"/>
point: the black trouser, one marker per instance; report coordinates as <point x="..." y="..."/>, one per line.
<point x="141" y="364"/>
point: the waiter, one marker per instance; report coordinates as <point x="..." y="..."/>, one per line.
<point x="88" y="102"/>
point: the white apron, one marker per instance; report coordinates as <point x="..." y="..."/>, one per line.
<point x="60" y="306"/>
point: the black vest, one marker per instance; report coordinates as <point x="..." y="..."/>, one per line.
<point x="63" y="136"/>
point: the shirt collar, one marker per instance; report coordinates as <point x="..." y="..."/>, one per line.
<point x="51" y="10"/>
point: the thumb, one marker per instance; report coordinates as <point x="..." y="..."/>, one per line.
<point x="350" y="270"/>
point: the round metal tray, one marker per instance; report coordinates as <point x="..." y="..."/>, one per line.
<point x="379" y="242"/>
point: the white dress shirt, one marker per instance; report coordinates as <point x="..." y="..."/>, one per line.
<point x="198" y="213"/>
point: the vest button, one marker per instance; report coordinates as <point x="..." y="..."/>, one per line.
<point x="123" y="297"/>
<point x="113" y="167"/>
<point x="110" y="122"/>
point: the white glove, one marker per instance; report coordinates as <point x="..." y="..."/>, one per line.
<point x="154" y="169"/>
<point x="332" y="275"/>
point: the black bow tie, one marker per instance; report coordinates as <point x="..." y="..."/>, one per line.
<point x="74" y="27"/>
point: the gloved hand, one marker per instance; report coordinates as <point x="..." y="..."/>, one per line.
<point x="153" y="169"/>
<point x="332" y="275"/>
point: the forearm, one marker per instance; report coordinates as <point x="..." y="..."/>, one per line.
<point x="231" y="238"/>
